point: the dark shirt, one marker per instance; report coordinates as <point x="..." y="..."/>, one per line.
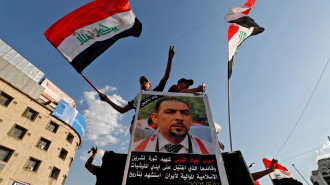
<point x="112" y="169"/>
<point x="160" y="87"/>
<point x="174" y="88"/>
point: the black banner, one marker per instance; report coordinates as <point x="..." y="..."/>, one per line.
<point x="172" y="169"/>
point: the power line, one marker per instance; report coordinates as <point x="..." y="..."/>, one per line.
<point x="302" y="153"/>
<point x="298" y="155"/>
<point x="302" y="113"/>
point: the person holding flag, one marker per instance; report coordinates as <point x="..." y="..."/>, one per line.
<point x="280" y="175"/>
<point x="270" y="169"/>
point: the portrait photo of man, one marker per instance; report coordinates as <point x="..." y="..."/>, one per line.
<point x="173" y="119"/>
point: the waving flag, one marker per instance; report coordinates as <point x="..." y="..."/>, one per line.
<point x="236" y="35"/>
<point x="84" y="34"/>
<point x="243" y="27"/>
<point x="281" y="175"/>
<point x="237" y="12"/>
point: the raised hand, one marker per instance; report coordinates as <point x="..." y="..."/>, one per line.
<point x="171" y="52"/>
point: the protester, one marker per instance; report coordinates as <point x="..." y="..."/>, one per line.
<point x="174" y="120"/>
<point x="145" y="85"/>
<point x="183" y="87"/>
<point x="111" y="170"/>
<point x="258" y="175"/>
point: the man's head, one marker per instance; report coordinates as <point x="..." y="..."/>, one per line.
<point x="144" y="83"/>
<point x="173" y="118"/>
<point x="184" y="83"/>
<point x="107" y="156"/>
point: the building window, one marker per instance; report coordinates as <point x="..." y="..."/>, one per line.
<point x="17" y="131"/>
<point x="55" y="173"/>
<point x="63" y="154"/>
<point x="52" y="127"/>
<point x="77" y="146"/>
<point x="43" y="144"/>
<point x="5" y="99"/>
<point x="69" y="138"/>
<point x="30" y="113"/>
<point x="71" y="160"/>
<point x="327" y="179"/>
<point x="5" y="153"/>
<point x="33" y="164"/>
<point x="64" y="179"/>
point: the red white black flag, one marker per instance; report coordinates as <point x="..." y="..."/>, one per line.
<point x="84" y="34"/>
<point x="281" y="175"/>
<point x="243" y="27"/>
<point x="237" y="12"/>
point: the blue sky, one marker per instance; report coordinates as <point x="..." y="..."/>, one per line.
<point x="274" y="75"/>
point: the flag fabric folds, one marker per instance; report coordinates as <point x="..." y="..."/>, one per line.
<point x="84" y="34"/>
<point x="238" y="12"/>
<point x="281" y="175"/>
<point x="241" y="28"/>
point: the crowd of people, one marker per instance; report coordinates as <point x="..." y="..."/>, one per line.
<point x="171" y="127"/>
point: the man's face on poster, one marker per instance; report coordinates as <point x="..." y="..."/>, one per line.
<point x="173" y="119"/>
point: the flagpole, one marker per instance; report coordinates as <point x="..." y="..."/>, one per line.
<point x="299" y="173"/>
<point x="90" y="83"/>
<point x="229" y="122"/>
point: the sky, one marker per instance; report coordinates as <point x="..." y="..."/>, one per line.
<point x="274" y="76"/>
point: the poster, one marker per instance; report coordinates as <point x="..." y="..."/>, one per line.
<point x="174" y="142"/>
<point x="71" y="116"/>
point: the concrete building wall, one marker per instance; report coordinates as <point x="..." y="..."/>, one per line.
<point x="321" y="176"/>
<point x="15" y="168"/>
<point x="17" y="78"/>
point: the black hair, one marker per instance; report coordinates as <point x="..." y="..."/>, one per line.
<point x="168" y="99"/>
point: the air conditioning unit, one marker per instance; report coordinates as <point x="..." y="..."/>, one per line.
<point x="29" y="168"/>
<point x="41" y="147"/>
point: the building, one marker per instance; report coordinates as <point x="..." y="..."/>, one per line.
<point x="321" y="176"/>
<point x="36" y="148"/>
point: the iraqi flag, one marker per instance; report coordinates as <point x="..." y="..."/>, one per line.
<point x="236" y="35"/>
<point x="237" y="12"/>
<point x="243" y="27"/>
<point x="281" y="175"/>
<point x="84" y="34"/>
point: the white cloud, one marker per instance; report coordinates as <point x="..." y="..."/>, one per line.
<point x="108" y="88"/>
<point x="125" y="149"/>
<point x="98" y="158"/>
<point x="103" y="122"/>
<point x="324" y="152"/>
<point x="81" y="101"/>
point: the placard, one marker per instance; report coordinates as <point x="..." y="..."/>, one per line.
<point x="174" y="142"/>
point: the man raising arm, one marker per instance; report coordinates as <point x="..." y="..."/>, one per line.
<point x="144" y="85"/>
<point x="89" y="165"/>
<point x="183" y="87"/>
<point x="258" y="175"/>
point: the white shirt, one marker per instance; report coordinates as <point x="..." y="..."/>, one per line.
<point x="162" y="142"/>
